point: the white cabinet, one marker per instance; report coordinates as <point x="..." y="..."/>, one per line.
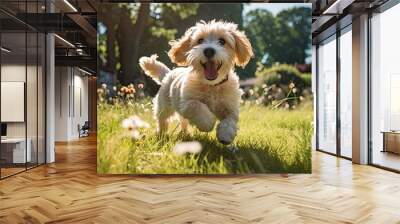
<point x="17" y="146"/>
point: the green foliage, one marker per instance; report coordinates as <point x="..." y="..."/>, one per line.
<point x="307" y="79"/>
<point x="162" y="32"/>
<point x="282" y="74"/>
<point x="269" y="141"/>
<point x="284" y="38"/>
<point x="183" y="10"/>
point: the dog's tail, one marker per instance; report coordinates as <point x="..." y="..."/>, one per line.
<point x="153" y="68"/>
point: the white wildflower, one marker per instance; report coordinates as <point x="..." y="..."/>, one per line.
<point x="135" y="134"/>
<point x="287" y="106"/>
<point x="132" y="124"/>
<point x="251" y="92"/>
<point x="187" y="147"/>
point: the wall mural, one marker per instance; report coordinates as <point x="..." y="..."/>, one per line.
<point x="204" y="88"/>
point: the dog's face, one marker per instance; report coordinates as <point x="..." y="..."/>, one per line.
<point x="212" y="50"/>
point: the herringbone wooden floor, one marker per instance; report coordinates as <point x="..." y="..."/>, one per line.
<point x="69" y="191"/>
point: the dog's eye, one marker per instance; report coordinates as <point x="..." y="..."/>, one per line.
<point x="221" y="41"/>
<point x="200" y="41"/>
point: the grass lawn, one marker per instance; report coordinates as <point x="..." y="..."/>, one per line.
<point x="268" y="141"/>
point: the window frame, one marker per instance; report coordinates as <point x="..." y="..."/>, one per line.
<point x="341" y="27"/>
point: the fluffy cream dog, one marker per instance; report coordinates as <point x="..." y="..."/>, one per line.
<point x="205" y="88"/>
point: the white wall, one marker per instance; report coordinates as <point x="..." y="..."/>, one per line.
<point x="71" y="102"/>
<point x="80" y="104"/>
<point x="61" y="103"/>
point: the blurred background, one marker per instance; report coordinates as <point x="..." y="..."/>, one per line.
<point x="280" y="34"/>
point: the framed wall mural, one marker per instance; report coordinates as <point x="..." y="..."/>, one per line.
<point x="210" y="88"/>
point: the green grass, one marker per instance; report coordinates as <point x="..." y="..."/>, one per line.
<point x="268" y="141"/>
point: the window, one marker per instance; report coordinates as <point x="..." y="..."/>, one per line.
<point x="385" y="89"/>
<point x="327" y="95"/>
<point x="346" y="92"/>
<point x="22" y="101"/>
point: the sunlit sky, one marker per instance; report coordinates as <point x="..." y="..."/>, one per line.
<point x="275" y="8"/>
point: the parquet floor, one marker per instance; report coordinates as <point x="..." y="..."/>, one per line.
<point x="69" y="191"/>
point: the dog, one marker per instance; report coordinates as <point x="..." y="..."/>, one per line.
<point x="205" y="88"/>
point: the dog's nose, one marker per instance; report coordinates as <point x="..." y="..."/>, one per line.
<point x="209" y="52"/>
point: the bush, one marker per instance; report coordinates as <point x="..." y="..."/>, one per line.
<point x="282" y="86"/>
<point x="283" y="74"/>
<point x="307" y="79"/>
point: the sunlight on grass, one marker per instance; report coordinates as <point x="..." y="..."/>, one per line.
<point x="268" y="141"/>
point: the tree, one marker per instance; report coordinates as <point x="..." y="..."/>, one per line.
<point x="261" y="28"/>
<point x="284" y="38"/>
<point x="129" y="38"/>
<point x="295" y="27"/>
<point x="135" y="30"/>
<point x="110" y="36"/>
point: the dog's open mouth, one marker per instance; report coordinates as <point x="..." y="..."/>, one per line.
<point x="211" y="69"/>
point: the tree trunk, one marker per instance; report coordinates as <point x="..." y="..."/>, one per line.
<point x="111" y="57"/>
<point x="111" y="35"/>
<point x="129" y="38"/>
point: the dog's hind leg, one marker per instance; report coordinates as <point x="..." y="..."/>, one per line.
<point x="162" y="112"/>
<point x="184" y="124"/>
<point x="162" y="119"/>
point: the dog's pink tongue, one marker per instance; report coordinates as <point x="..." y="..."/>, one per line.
<point x="211" y="70"/>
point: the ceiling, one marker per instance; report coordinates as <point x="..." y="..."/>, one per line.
<point x="74" y="22"/>
<point x="327" y="13"/>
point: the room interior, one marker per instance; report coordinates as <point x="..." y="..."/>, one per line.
<point x="25" y="65"/>
<point x="336" y="44"/>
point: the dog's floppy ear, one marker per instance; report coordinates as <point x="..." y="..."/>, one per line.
<point x="179" y="48"/>
<point x="243" y="49"/>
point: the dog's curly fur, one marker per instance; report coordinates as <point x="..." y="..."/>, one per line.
<point x="187" y="90"/>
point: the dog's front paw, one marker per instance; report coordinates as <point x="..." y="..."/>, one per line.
<point x="226" y="131"/>
<point x="206" y="124"/>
